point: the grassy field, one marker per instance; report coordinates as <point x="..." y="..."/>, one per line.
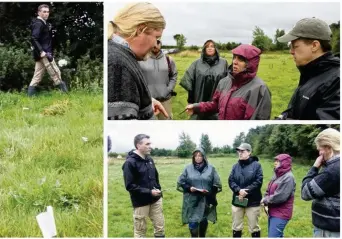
<point x="44" y="161"/>
<point x="120" y="220"/>
<point x="277" y="70"/>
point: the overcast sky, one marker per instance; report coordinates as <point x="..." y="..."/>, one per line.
<point x="231" y="21"/>
<point x="166" y="134"/>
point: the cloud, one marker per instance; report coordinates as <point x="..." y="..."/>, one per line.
<point x="232" y="21"/>
<point x="165" y="134"/>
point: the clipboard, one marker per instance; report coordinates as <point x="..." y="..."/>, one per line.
<point x="243" y="203"/>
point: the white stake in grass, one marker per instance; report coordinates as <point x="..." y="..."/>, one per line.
<point x="46" y="222"/>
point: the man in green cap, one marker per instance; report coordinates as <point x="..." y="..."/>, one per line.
<point x="317" y="96"/>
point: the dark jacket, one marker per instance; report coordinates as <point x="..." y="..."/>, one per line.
<point x="243" y="96"/>
<point x="247" y="174"/>
<point x="196" y="205"/>
<point x="128" y="93"/>
<point x="280" y="191"/>
<point x="201" y="80"/>
<point x="140" y="176"/>
<point x="324" y="189"/>
<point x="317" y="96"/>
<point x="41" y="37"/>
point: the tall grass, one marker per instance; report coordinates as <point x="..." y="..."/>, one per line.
<point x="44" y="161"/>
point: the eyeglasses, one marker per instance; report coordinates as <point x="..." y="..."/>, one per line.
<point x="240" y="151"/>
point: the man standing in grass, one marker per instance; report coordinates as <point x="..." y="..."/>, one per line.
<point x="142" y="182"/>
<point x="41" y="39"/>
<point x="317" y="96"/>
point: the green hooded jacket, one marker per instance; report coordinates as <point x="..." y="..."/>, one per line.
<point x="198" y="206"/>
<point x="201" y="80"/>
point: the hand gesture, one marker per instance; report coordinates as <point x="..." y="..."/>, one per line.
<point x="318" y="162"/>
<point x="158" y="108"/>
<point x="155" y="192"/>
<point x="243" y="192"/>
<point x="190" y="109"/>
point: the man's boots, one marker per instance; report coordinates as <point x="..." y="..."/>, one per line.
<point x="203" y="228"/>
<point x="237" y="233"/>
<point x="194" y="232"/>
<point x="31" y="91"/>
<point x="256" y="234"/>
<point x="162" y="236"/>
<point x="63" y="87"/>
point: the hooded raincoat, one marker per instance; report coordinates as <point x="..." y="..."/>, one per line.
<point x="201" y="80"/>
<point x="243" y="96"/>
<point x="198" y="206"/>
<point x="280" y="191"/>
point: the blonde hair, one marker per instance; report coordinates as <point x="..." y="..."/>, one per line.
<point x="329" y="138"/>
<point x="129" y="18"/>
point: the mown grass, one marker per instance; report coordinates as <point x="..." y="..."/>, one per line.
<point x="277" y="70"/>
<point x="120" y="217"/>
<point x="44" y="161"/>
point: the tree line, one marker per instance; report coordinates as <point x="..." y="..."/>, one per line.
<point x="295" y="140"/>
<point x="260" y="40"/>
<point x="267" y="140"/>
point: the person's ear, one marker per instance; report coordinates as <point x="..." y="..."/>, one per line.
<point x="315" y="46"/>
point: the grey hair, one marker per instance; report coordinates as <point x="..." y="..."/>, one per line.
<point x="138" y="138"/>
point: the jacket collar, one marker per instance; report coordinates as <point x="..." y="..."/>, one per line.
<point x="119" y="40"/>
<point x="317" y="66"/>
<point x="333" y="159"/>
<point x="41" y="19"/>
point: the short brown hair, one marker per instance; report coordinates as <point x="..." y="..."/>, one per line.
<point x="208" y="42"/>
<point x="325" y="45"/>
<point x="42" y="6"/>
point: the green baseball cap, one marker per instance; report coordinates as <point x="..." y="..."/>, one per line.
<point x="245" y="146"/>
<point x="312" y="28"/>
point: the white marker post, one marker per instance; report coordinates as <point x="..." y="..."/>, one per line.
<point x="46" y="222"/>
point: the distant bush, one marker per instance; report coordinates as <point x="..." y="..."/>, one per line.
<point x="113" y="155"/>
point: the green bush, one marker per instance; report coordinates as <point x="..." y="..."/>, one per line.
<point x="17" y="68"/>
<point x="89" y="74"/>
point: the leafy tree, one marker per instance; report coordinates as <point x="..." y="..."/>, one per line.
<point x="186" y="145"/>
<point x="216" y="150"/>
<point x="261" y="40"/>
<point x="226" y="149"/>
<point x="239" y="139"/>
<point x="279" y="45"/>
<point x="335" y="41"/>
<point x="205" y="143"/>
<point x="296" y="140"/>
<point x="180" y="40"/>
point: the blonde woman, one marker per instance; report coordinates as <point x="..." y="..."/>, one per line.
<point x="132" y="35"/>
<point x="322" y="185"/>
